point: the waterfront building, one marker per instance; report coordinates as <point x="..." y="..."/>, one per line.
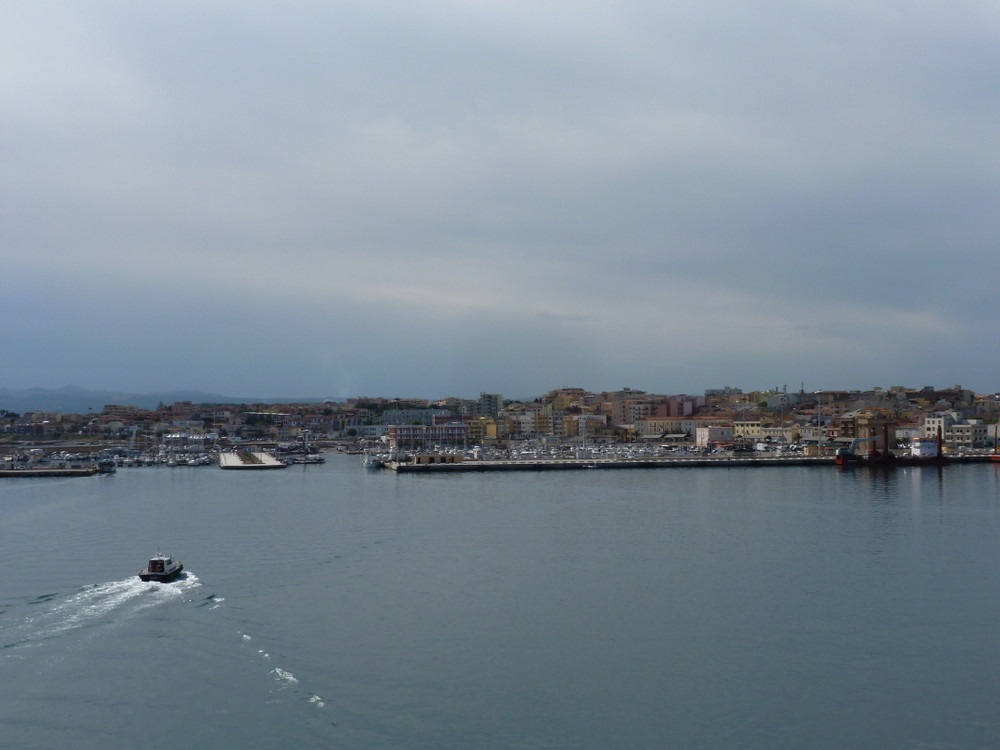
<point x="836" y="403"/>
<point x="415" y="435"/>
<point x="548" y="423"/>
<point x="562" y="399"/>
<point x="371" y="431"/>
<point x="712" y="435"/>
<point x="873" y="425"/>
<point x="781" y="433"/>
<point x="121" y="412"/>
<point x="987" y="407"/>
<point x="683" y="405"/>
<point x="462" y="406"/>
<point x="483" y="430"/>
<point x="627" y="411"/>
<point x="414" y="416"/>
<point x="489" y="405"/>
<point x="939" y="422"/>
<point x="532" y="423"/>
<point x="970" y="433"/>
<point x="751" y="429"/>
<point x="656" y="427"/>
<point x="584" y="426"/>
<point x="957" y="433"/>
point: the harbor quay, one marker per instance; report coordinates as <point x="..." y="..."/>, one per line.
<point x="564" y="464"/>
<point x="87" y="471"/>
<point x="249" y="460"/>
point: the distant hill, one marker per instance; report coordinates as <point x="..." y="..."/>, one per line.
<point x="73" y="400"/>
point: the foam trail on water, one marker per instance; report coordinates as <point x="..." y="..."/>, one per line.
<point x="281" y="674"/>
<point x="55" y="615"/>
<point x="289" y="682"/>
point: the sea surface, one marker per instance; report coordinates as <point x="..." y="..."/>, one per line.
<point x="330" y="606"/>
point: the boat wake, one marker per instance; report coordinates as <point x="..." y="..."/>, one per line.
<point x="286" y="679"/>
<point x="53" y="615"/>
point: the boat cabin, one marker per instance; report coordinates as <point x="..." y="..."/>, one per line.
<point x="160" y="564"/>
<point x="924" y="447"/>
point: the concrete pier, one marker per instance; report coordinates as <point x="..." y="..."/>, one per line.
<point x="250" y="460"/>
<point x="36" y="471"/>
<point x="651" y="463"/>
<point x="557" y="464"/>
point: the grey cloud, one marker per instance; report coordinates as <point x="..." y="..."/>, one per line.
<point x="566" y="179"/>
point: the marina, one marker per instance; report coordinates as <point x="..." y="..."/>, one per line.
<point x="613" y="458"/>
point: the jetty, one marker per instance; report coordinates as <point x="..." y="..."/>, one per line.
<point x="567" y="464"/>
<point x="249" y="460"/>
<point x="48" y="471"/>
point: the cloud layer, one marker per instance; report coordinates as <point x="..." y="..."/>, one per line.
<point x="437" y="198"/>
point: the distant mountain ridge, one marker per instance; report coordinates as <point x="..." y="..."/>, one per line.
<point x="73" y="400"/>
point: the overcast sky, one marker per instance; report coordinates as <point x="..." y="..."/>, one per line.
<point x="433" y="198"/>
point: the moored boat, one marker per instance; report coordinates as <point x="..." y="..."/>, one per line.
<point x="162" y="568"/>
<point x="308" y="458"/>
<point x="925" y="451"/>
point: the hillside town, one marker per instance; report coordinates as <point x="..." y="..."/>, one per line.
<point x="725" y="418"/>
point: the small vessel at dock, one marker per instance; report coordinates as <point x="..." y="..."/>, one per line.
<point x="925" y="451"/>
<point x="162" y="568"/>
<point x="308" y="458"/>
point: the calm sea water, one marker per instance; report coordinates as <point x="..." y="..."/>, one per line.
<point x="331" y="607"/>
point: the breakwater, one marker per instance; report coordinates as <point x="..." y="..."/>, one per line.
<point x="36" y="471"/>
<point x="566" y="464"/>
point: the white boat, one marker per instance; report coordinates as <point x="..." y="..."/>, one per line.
<point x="309" y="458"/>
<point x="162" y="568"/>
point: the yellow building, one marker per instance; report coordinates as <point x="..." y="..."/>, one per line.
<point x="748" y="428"/>
<point x="483" y="430"/>
<point x="654" y="427"/>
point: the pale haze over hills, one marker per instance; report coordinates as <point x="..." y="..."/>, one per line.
<point x="72" y="400"/>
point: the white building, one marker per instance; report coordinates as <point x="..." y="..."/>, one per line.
<point x="712" y="435"/>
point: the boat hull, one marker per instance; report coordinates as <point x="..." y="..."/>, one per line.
<point x="162" y="577"/>
<point x="889" y="460"/>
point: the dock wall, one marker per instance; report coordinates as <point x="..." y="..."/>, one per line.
<point x="660" y="463"/>
<point x="583" y="464"/>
